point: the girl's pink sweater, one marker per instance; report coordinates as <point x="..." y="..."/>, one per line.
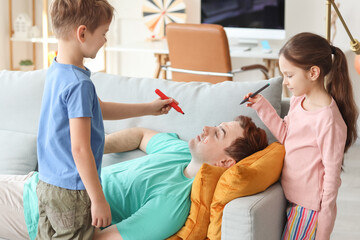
<point x="314" y="142"/>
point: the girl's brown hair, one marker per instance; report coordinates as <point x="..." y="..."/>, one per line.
<point x="67" y="15"/>
<point x="306" y="50"/>
<point x="254" y="140"/>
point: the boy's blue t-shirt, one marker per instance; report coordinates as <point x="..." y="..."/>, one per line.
<point x="149" y="196"/>
<point x="68" y="93"/>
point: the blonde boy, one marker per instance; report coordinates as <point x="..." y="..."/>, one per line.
<point x="71" y="132"/>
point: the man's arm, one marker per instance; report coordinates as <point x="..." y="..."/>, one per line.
<point x="158" y="218"/>
<point x="109" y="233"/>
<point x="128" y="139"/>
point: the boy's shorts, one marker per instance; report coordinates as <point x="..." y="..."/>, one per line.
<point x="64" y="213"/>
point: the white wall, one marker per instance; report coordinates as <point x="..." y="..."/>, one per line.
<point x="129" y="26"/>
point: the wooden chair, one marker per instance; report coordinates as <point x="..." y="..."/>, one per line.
<point x="200" y="52"/>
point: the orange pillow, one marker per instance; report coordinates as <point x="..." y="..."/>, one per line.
<point x="251" y="175"/>
<point x="202" y="191"/>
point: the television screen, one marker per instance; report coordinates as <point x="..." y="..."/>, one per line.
<point x="264" y="14"/>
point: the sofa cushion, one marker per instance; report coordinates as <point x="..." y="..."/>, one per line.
<point x="18" y="152"/>
<point x="202" y="192"/>
<point x="251" y="175"/>
<point x="20" y="100"/>
<point x="203" y="103"/>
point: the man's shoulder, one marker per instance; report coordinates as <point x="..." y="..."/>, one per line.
<point x="166" y="142"/>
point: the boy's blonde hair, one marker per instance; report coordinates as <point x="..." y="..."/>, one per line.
<point x="67" y="15"/>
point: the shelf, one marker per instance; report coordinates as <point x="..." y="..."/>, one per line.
<point x="34" y="40"/>
<point x="45" y="41"/>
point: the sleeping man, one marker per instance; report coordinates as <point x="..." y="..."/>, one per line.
<point x="149" y="196"/>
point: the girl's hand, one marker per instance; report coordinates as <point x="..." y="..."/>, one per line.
<point x="252" y="100"/>
<point x="159" y="106"/>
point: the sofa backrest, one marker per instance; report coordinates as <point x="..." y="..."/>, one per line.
<point x="203" y="104"/>
<point x="20" y="101"/>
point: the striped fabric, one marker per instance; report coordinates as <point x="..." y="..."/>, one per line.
<point x="301" y="223"/>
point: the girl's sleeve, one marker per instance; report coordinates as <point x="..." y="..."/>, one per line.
<point x="331" y="140"/>
<point x="271" y="119"/>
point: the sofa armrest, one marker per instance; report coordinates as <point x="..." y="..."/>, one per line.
<point x="256" y="217"/>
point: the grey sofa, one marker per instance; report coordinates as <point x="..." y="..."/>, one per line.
<point x="256" y="217"/>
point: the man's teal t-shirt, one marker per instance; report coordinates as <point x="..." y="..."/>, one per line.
<point x="149" y="196"/>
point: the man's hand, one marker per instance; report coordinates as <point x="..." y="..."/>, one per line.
<point x="101" y="214"/>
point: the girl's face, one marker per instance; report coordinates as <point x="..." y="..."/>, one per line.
<point x="296" y="79"/>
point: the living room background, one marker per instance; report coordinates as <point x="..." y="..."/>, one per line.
<point x="128" y="26"/>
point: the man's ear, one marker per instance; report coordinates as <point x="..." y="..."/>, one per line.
<point x="80" y="33"/>
<point x="314" y="72"/>
<point x="227" y="162"/>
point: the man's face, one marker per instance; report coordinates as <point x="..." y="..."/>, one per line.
<point x="209" y="146"/>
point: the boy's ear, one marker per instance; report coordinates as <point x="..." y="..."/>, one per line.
<point x="80" y="33"/>
<point x="314" y="72"/>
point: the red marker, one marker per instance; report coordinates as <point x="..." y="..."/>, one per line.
<point x="163" y="96"/>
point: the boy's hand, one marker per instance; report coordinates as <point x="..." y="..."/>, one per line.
<point x="252" y="100"/>
<point x="101" y="214"/>
<point x="159" y="106"/>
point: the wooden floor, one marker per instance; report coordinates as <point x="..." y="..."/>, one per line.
<point x="347" y="225"/>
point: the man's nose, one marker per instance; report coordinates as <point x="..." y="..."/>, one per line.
<point x="207" y="130"/>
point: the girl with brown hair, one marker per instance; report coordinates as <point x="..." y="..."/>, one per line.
<point x="319" y="128"/>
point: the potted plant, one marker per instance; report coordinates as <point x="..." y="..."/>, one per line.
<point x="26" y="65"/>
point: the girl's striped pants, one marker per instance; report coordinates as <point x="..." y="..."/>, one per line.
<point x="301" y="223"/>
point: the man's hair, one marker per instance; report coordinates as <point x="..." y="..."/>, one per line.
<point x="67" y="15"/>
<point x="254" y="140"/>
